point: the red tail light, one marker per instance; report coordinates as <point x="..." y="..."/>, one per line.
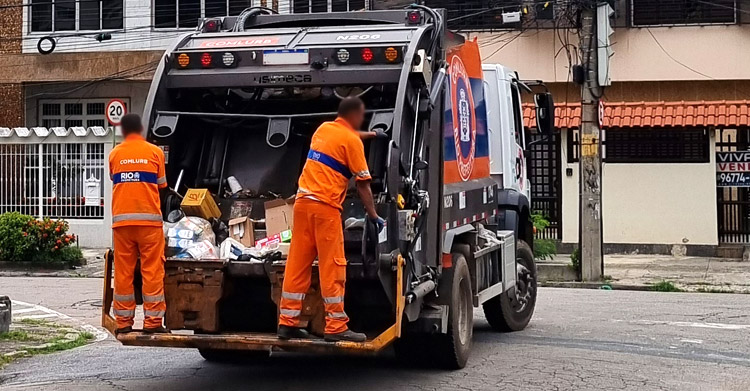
<point x="206" y="60"/>
<point x="367" y="55"/>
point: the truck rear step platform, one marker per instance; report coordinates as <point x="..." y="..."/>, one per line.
<point x="255" y="341"/>
<point x="249" y="340"/>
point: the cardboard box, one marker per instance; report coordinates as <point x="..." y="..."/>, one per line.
<point x="241" y="229"/>
<point x="200" y="202"/>
<point x="273" y="241"/>
<point x="279" y="215"/>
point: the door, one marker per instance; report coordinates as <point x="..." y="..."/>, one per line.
<point x="545" y="175"/>
<point x="733" y="202"/>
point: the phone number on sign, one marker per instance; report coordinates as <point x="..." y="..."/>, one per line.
<point x="733" y="179"/>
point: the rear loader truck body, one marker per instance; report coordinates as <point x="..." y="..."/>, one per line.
<point x="242" y="96"/>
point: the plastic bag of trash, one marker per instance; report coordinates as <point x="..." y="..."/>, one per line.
<point x="233" y="249"/>
<point x="187" y="233"/>
<point x="203" y="249"/>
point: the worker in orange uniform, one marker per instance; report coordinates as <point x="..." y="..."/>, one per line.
<point x="336" y="154"/>
<point x="137" y="170"/>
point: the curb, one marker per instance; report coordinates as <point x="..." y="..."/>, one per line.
<point x="595" y="285"/>
<point x="50" y="314"/>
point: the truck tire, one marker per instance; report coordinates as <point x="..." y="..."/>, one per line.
<point x="225" y="356"/>
<point x="512" y="313"/>
<point x="452" y="349"/>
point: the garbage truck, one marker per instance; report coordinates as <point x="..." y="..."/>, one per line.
<point x="236" y="102"/>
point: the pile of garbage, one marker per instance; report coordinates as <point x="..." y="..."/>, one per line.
<point x="195" y="231"/>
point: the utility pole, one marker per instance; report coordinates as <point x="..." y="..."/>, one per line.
<point x="590" y="207"/>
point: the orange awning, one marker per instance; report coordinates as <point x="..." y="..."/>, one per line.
<point x="653" y="114"/>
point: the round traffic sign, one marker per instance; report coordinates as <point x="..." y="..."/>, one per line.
<point x="115" y="111"/>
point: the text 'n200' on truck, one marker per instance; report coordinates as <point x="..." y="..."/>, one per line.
<point x="234" y="106"/>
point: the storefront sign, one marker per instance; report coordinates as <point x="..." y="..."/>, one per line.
<point x="733" y="169"/>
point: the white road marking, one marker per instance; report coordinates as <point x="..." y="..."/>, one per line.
<point x="41" y="316"/>
<point x="99" y="334"/>
<point x="704" y="325"/>
<point x="24" y="310"/>
<point x="692" y="341"/>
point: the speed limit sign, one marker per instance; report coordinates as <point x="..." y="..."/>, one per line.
<point x="115" y="111"/>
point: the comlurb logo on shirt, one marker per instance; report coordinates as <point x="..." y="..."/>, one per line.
<point x="133" y="161"/>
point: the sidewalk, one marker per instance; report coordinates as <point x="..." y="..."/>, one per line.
<point x="622" y="271"/>
<point x="94" y="267"/>
<point x="694" y="274"/>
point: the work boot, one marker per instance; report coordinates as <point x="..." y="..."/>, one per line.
<point x="288" y="332"/>
<point x="156" y="330"/>
<point x="124" y="330"/>
<point x="347" y="335"/>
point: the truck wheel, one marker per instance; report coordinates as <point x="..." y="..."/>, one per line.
<point x="225" y="356"/>
<point x="452" y="349"/>
<point x="512" y="310"/>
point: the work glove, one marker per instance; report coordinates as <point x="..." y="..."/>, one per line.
<point x="380" y="133"/>
<point x="379" y="222"/>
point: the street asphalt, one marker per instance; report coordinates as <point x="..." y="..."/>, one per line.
<point x="578" y="340"/>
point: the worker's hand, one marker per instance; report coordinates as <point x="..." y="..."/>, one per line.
<point x="380" y="133"/>
<point x="379" y="222"/>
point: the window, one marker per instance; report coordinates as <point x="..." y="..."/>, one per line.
<point x="476" y="14"/>
<point x="70" y="15"/>
<point x="671" y="12"/>
<point x="656" y="146"/>
<point x="308" y="6"/>
<point x="646" y="145"/>
<point x="73" y="112"/>
<point x="187" y="13"/>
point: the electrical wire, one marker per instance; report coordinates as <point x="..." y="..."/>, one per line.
<point x="676" y="60"/>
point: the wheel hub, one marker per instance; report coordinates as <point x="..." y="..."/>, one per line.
<point x="524" y="287"/>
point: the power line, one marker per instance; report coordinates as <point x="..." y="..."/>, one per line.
<point x="676" y="60"/>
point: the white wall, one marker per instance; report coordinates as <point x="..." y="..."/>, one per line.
<point x="650" y="203"/>
<point x="716" y="51"/>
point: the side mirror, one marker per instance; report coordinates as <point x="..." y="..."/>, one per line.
<point x="545" y="112"/>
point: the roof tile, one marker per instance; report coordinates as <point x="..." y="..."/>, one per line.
<point x="654" y="114"/>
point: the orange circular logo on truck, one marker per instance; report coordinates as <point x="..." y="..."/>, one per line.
<point x="464" y="118"/>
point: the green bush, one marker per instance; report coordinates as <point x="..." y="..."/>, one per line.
<point x="575" y="259"/>
<point x="543" y="248"/>
<point x="25" y="239"/>
<point x="15" y="245"/>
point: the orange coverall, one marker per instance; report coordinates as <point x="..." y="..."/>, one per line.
<point x="137" y="170"/>
<point x="336" y="154"/>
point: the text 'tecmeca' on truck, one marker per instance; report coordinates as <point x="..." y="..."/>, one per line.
<point x="242" y="96"/>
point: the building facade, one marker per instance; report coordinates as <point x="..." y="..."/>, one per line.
<point x="680" y="93"/>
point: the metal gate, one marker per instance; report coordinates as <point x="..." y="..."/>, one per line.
<point x="733" y="202"/>
<point x="53" y="180"/>
<point x="545" y="175"/>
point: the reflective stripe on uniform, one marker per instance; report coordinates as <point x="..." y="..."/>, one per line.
<point x="156" y="314"/>
<point x="337" y="315"/>
<point x="287" y="312"/>
<point x="332" y="163"/>
<point x="293" y="296"/>
<point x="161" y="180"/>
<point x="128" y="313"/>
<point x="136" y="216"/>
<point x="130" y="297"/>
<point x="153" y="299"/>
<point x="333" y="300"/>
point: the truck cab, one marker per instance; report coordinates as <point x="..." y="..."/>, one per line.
<point x="241" y="96"/>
